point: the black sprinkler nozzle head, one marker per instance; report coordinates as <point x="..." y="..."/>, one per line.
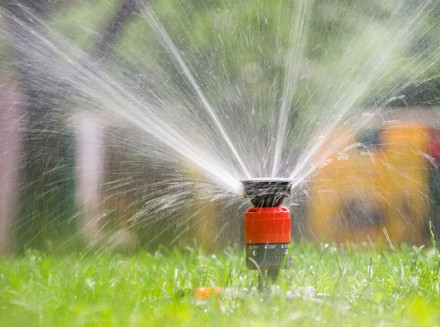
<point x="267" y="192"/>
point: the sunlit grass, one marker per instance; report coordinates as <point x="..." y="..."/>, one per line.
<point x="325" y="286"/>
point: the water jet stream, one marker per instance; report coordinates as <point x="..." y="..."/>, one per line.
<point x="152" y="19"/>
<point x="294" y="60"/>
<point x="394" y="39"/>
<point x="97" y="87"/>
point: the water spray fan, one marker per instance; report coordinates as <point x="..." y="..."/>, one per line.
<point x="267" y="227"/>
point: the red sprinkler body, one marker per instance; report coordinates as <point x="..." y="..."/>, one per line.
<point x="267" y="227"/>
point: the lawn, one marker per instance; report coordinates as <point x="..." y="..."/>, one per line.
<point x="324" y="286"/>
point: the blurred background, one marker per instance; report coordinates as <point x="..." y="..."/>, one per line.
<point x="70" y="179"/>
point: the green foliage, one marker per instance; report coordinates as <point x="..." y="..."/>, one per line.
<point x="325" y="286"/>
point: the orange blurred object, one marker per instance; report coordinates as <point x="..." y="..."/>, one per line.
<point x="204" y="293"/>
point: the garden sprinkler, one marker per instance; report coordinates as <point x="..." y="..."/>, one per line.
<point x="267" y="228"/>
<point x="266" y="231"/>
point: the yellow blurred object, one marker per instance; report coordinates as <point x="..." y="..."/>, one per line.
<point x="372" y="195"/>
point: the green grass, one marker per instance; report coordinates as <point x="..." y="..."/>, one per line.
<point x="353" y="288"/>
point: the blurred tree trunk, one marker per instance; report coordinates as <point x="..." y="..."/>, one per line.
<point x="45" y="203"/>
<point x="113" y="30"/>
<point x="90" y="135"/>
<point x="89" y="162"/>
<point x="11" y="104"/>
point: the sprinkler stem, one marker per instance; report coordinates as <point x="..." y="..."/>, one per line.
<point x="266" y="278"/>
